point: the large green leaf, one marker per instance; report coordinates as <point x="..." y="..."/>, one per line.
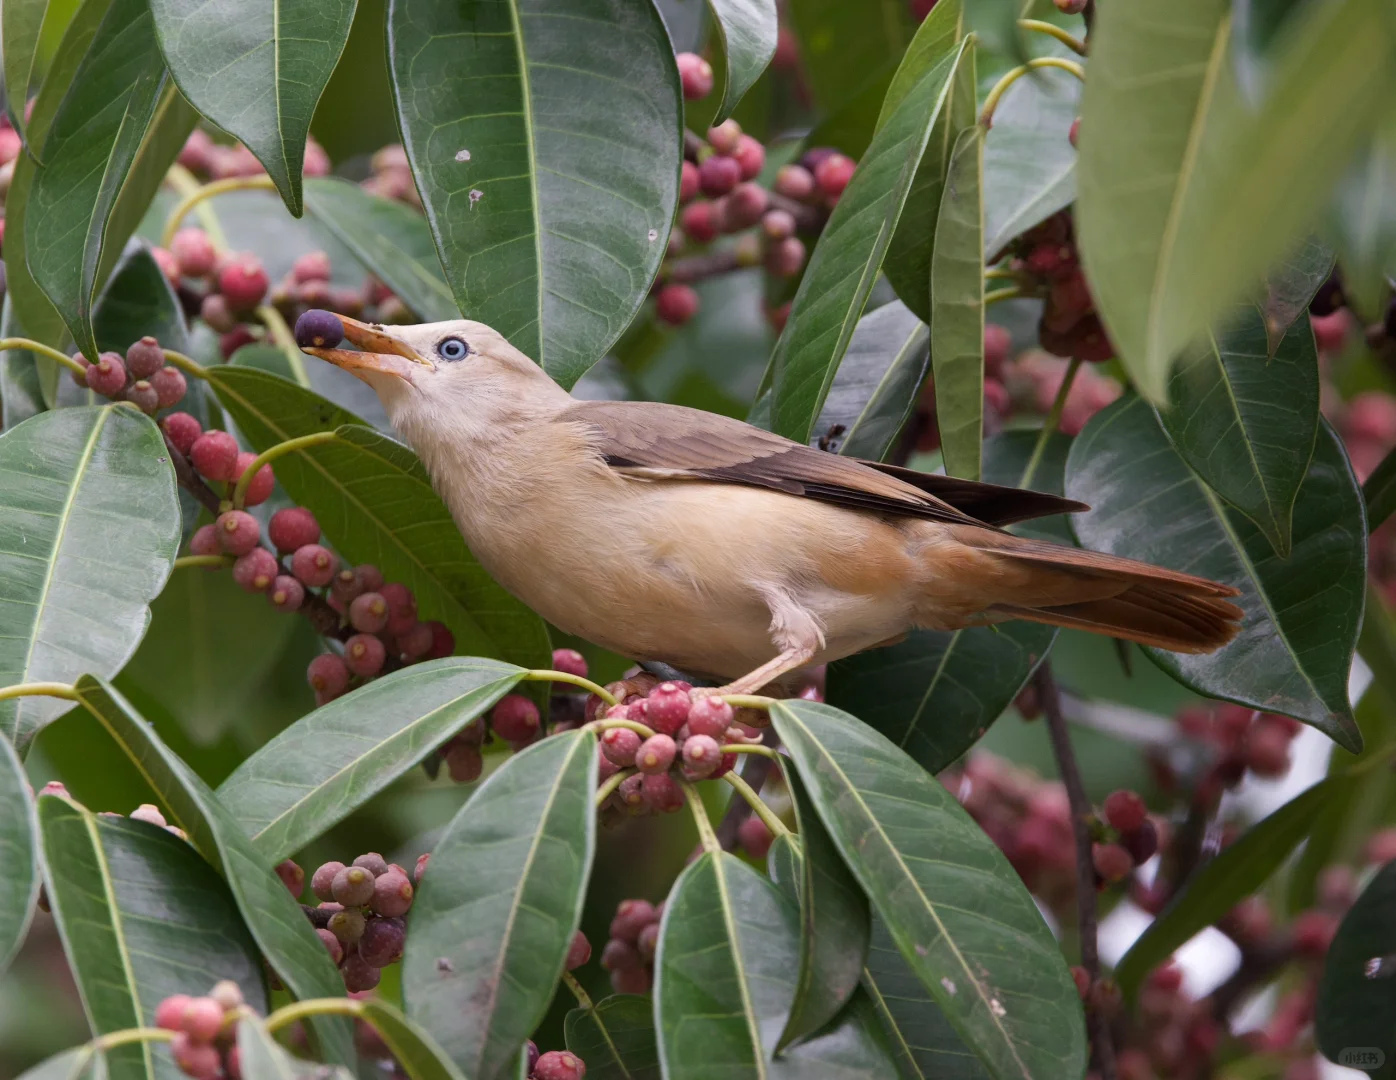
<point x="257" y="68"/>
<point x="615" y="1037"/>
<point x="958" y="912"/>
<point x="1029" y="163"/>
<point x="1163" y="102"/>
<point x="71" y="599"/>
<point x="1245" y="420"/>
<point x="261" y="1057"/>
<point x="1356" y="993"/>
<point x="80" y="1063"/>
<point x="846" y="261"/>
<point x="376" y="504"/>
<point x="1290" y="287"/>
<point x="874" y="392"/>
<point x="545" y="138"/>
<point x="1302" y="613"/>
<point x="416" y="1051"/>
<point x="329" y="763"/>
<point x="391" y="239"/>
<point x="21" y="396"/>
<point x="24" y="23"/>
<point x="94" y="145"/>
<point x="19" y="887"/>
<point x="748" y="29"/>
<point x="278" y="926"/>
<point x="1362" y="223"/>
<point x="957" y="308"/>
<point x="1240" y="870"/>
<point x="496" y="912"/>
<point x="142" y="917"/>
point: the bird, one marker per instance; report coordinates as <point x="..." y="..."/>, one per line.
<point x="670" y="534"/>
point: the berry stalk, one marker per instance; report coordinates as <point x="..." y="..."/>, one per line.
<point x="43" y="350"/>
<point x="542" y="675"/>
<point x="38" y="689"/>
<point x="986" y="115"/>
<point x="269" y="455"/>
<point x="200" y="192"/>
<point x="757" y="804"/>
<point x="706" y="835"/>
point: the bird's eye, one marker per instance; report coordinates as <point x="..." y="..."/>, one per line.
<point x="452" y="348"/>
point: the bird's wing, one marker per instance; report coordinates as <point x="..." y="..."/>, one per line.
<point x="654" y="441"/>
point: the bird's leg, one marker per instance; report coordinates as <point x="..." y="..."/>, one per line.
<point x="768" y="672"/>
<point x="796" y="632"/>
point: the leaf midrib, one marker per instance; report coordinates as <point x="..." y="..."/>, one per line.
<point x="526" y="101"/>
<point x="730" y="925"/>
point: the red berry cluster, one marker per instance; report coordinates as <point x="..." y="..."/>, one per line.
<point x="360" y="917"/>
<point x="554" y="1065"/>
<point x="1239" y="740"/>
<point x="204" y="1030"/>
<point x="629" y="953"/>
<point x="211" y="160"/>
<point x="142" y="378"/>
<point x="1046" y="262"/>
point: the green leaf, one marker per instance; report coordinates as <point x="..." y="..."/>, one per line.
<point x="1006" y="459"/>
<point x="376" y="504"/>
<point x="142" y="917"/>
<point x="846" y="261"/>
<point x="566" y="117"/>
<point x="1302" y="613"/>
<point x="958" y="912"/>
<point x="957" y="308"/>
<point x="260" y="1057"/>
<point x="615" y="1037"/>
<point x="874" y="392"/>
<point x="332" y="761"/>
<point x="925" y="1044"/>
<point x="497" y="909"/>
<point x="1246" y="421"/>
<point x="24" y="22"/>
<point x="1240" y="870"/>
<point x="1379" y="492"/>
<point x="257" y="68"/>
<point x="80" y="1063"/>
<point x="1029" y="163"/>
<point x="1356" y="994"/>
<point x="416" y="1051"/>
<point x="1362" y="223"/>
<point x="748" y="29"/>
<point x="278" y="926"/>
<point x="1290" y="286"/>
<point x="833" y="926"/>
<point x="95" y="144"/>
<point x="390" y="239"/>
<point x="72" y="601"/>
<point x="19" y="886"/>
<point x="1163" y="102"/>
<point x="21" y="396"/>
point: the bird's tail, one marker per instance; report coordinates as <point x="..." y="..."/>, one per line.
<point x="1086" y="590"/>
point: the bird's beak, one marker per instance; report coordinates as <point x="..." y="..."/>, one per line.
<point x="381" y="353"/>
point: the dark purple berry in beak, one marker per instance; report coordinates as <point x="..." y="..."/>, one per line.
<point x="319" y="329"/>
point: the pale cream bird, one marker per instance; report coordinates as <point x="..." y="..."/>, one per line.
<point x="666" y="533"/>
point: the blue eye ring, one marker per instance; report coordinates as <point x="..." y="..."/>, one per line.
<point x="452" y="348"/>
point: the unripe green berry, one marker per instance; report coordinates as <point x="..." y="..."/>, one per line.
<point x="347" y="925"/>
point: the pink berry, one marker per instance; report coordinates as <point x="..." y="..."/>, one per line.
<point x="718" y="175"/>
<point x="755" y="838"/>
<point x="786" y="258"/>
<point x="1070" y="7"/>
<point x="199" y="1060"/>
<point x="322" y="881"/>
<point x="169" y="1014"/>
<point x="1125" y="811"/>
<point x="570" y="661"/>
<point x="1266" y="751"/>
<point x="675" y="304"/>
<point x="255" y="571"/>
<point x="143" y="396"/>
<point x="631" y="797"/>
<point x="313" y="565"/>
<point x="205" y="541"/>
<point x="725" y="137"/>
<point x="286" y="593"/>
<point x="364" y="654"/>
<point x="667" y="707"/>
<point x="688" y="182"/>
<point x="293" y="528"/>
<point x="332" y="945"/>
<point x="182" y="430"/>
<point x="699" y="222"/>
<point x="292" y="876"/>
<point x="778" y="224"/>
<point x="744" y="207"/>
<point x="833" y="174"/>
<point x="443" y="642"/>
<point x="631" y="917"/>
<point x="662" y="793"/>
<point x="1371" y="416"/>
<point x="579" y="952"/>
<point x="167" y="263"/>
<point x="214" y="310"/>
<point x="416" y="643"/>
<point x="260" y="488"/>
<point x="997" y="342"/>
<point x="214" y="455"/>
<point x="464" y="763"/>
<point x="751" y="156"/>
<point x="194" y="253"/>
<point x="328" y="676"/>
<point x="170" y="386"/>
<point x="1112" y="862"/>
<point x="631" y="982"/>
<point x="238" y="532"/>
<point x="515" y="718"/>
<point x="382" y="941"/>
<point x="794" y="182"/>
<point x="559" y="1065"/>
<point x="392" y="894"/>
<point x="700" y="755"/>
<point x="710" y="716"/>
<point x="402" y="607"/>
<point x="108" y="375"/>
<point x="620" y="745"/>
<point x="656" y="754"/>
<point x="243" y="282"/>
<point x="620" y="955"/>
<point x="144" y="358"/>
<point x="423" y="861"/>
<point x="368" y="613"/>
<point x="695" y="75"/>
<point x="359" y="974"/>
<point x="1073" y="133"/>
<point x="353" y="886"/>
<point x="202" y="1020"/>
<point x="312" y="266"/>
<point x="648" y="942"/>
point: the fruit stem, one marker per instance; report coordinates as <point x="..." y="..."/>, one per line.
<point x="700" y="817"/>
<point x="43" y="350"/>
<point x="185" y="183"/>
<point x="131" y="1035"/>
<point x="986" y="115"/>
<point x="299" y="1010"/>
<point x="270" y="454"/>
<point x="38" y="689"/>
<point x="995" y="274"/>
<point x="610" y="722"/>
<point x="1002" y="294"/>
<point x="545" y="675"/>
<point x="285" y="341"/>
<point x="1054" y="418"/>
<point x="1070" y="40"/>
<point x="751" y="748"/>
<point x="216" y="561"/>
<point x="757" y="804"/>
<point x="606" y="790"/>
<point x="583" y="998"/>
<point x="207" y="191"/>
<point x="748" y="701"/>
<point x="185" y="364"/>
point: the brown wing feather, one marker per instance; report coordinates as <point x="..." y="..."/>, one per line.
<point x="658" y="441"/>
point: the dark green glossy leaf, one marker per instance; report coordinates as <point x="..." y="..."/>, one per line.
<point x="925" y="1045"/>
<point x="277" y="924"/>
<point x="24" y="22"/>
<point x="1356" y="993"/>
<point x="1007" y="457"/>
<point x="1246" y="422"/>
<point x="875" y="390"/>
<point x="1379" y="492"/>
<point x="257" y="68"/>
<point x="748" y="29"/>
<point x="1302" y="613"/>
<point x="846" y="261"/>
<point x="1362" y="223"/>
<point x="615" y="1037"/>
<point x="391" y="240"/>
<point x="1029" y="163"/>
<point x="959" y="914"/>
<point x="142" y="917"/>
<point x="376" y="504"/>
<point x="332" y="761"/>
<point x="416" y="1051"/>
<point x="833" y="926"/>
<point x="70" y="600"/>
<point x="783" y="866"/>
<point x="21" y="396"/>
<point x="957" y="308"/>
<point x="89" y="152"/>
<point x="497" y="909"/>
<point x="19" y="886"/>
<point x="686" y="21"/>
<point x="545" y="139"/>
<point x="1238" y="871"/>
<point x="1290" y="286"/>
